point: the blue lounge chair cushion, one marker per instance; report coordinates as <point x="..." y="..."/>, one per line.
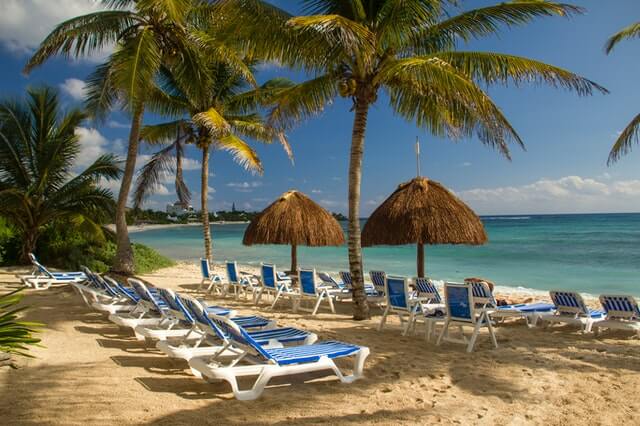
<point x="251" y="321"/>
<point x="311" y="353"/>
<point x="283" y="335"/>
<point x="528" y="307"/>
<point x="218" y="310"/>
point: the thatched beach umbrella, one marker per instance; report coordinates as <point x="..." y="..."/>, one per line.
<point x="420" y="212"/>
<point x="294" y="219"/>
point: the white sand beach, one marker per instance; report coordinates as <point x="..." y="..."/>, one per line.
<point x="91" y="372"/>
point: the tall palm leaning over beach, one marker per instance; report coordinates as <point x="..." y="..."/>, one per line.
<point x="221" y="110"/>
<point x="407" y="49"/>
<point x="38" y="180"/>
<point x="631" y="133"/>
<point x="146" y="34"/>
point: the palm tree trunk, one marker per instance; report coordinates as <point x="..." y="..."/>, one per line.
<point x="123" y="261"/>
<point x="29" y="240"/>
<point x="360" y="306"/>
<point x="206" y="230"/>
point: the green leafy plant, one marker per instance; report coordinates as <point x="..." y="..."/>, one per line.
<point x="15" y="336"/>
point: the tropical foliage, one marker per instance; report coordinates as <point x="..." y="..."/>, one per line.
<point x="40" y="183"/>
<point x="147" y="34"/>
<point x="408" y="49"/>
<point x="631" y="133"/>
<point x="218" y="111"/>
<point x="15" y="335"/>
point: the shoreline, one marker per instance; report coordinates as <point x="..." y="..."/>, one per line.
<point x="155" y="226"/>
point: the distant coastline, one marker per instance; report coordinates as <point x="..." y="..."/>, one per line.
<point x="154" y="226"/>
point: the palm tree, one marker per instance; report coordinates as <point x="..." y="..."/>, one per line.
<point x="147" y="34"/>
<point x="38" y="180"/>
<point x="15" y="335"/>
<point x="631" y="133"/>
<point x="220" y="111"/>
<point x="407" y="49"/>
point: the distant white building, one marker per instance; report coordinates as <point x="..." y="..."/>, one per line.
<point x="178" y="209"/>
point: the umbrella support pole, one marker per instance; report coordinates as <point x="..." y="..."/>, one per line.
<point x="420" y="260"/>
<point x="294" y="259"/>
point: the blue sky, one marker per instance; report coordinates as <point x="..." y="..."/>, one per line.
<point x="567" y="137"/>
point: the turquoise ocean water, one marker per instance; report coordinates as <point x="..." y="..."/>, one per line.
<point x="592" y="253"/>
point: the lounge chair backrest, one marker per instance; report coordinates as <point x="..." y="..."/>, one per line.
<point x="121" y="290"/>
<point x="175" y="304"/>
<point x="232" y="272"/>
<point x="41" y="268"/>
<point x="426" y="289"/>
<point x="239" y="336"/>
<point x="620" y="307"/>
<point x="110" y="289"/>
<point x="459" y="302"/>
<point x="569" y="302"/>
<point x="268" y="273"/>
<point x="328" y="279"/>
<point x="345" y="276"/>
<point x="377" y="278"/>
<point x="482" y="294"/>
<point x="397" y="290"/>
<point x="307" y="280"/>
<point x="192" y="306"/>
<point x="204" y="268"/>
<point x="140" y="289"/>
<point x="32" y="258"/>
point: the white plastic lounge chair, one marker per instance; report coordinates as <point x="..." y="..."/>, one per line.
<point x="208" y="339"/>
<point x="173" y="323"/>
<point x="41" y="278"/>
<point x="241" y="283"/>
<point x="100" y="295"/>
<point x="530" y="312"/>
<point x="310" y="290"/>
<point x="399" y="302"/>
<point x="214" y="280"/>
<point x="430" y="304"/>
<point x="378" y="281"/>
<point x="461" y="312"/>
<point x="267" y="363"/>
<point x="273" y="285"/>
<point x="571" y="309"/>
<point x="622" y="313"/>
<point x="369" y="289"/>
<point x="145" y="313"/>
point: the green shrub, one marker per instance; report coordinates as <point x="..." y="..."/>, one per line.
<point x="15" y="335"/>
<point x="148" y="260"/>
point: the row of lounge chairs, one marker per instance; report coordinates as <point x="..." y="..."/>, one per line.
<point x="217" y="343"/>
<point x="465" y="304"/>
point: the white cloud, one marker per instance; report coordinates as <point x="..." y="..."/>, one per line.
<point x="92" y="145"/>
<point x="25" y="23"/>
<point x="244" y="186"/>
<point x="117" y="125"/>
<point x="74" y="88"/>
<point x="161" y="190"/>
<point x="569" y="194"/>
<point x="466" y="164"/>
<point x="316" y="191"/>
<point x="190" y="164"/>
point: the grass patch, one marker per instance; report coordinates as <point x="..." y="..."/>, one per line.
<point x="147" y="260"/>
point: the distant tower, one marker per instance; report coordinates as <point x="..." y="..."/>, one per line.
<point x="233" y="207"/>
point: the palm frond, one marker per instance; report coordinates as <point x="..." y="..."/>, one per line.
<point x="485" y="21"/>
<point x="212" y="120"/>
<point x="302" y="100"/>
<point x="83" y="35"/>
<point x="155" y="134"/>
<point x="624" y="143"/>
<point x="161" y="164"/>
<point x="491" y="67"/>
<point x="242" y="152"/>
<point x="632" y="31"/>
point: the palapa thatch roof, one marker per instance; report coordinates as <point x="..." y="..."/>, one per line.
<point x="423" y="211"/>
<point x="294" y="219"/>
